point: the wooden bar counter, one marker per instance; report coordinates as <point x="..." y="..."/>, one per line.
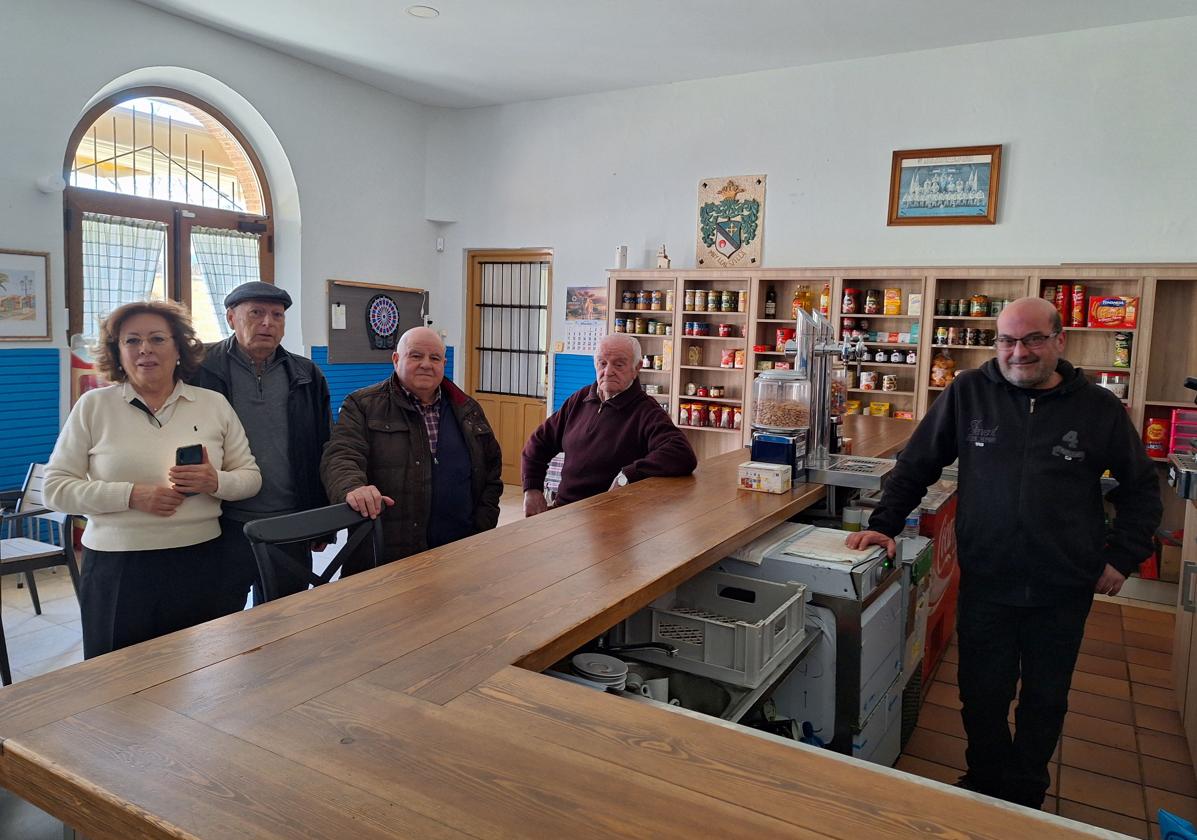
<point x="404" y="703"/>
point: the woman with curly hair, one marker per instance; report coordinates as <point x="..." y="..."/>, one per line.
<point x="149" y="561"/>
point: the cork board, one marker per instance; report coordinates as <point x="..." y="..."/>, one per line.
<point x="352" y="345"/>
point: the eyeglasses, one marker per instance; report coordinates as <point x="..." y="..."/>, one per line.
<point x="155" y="341"/>
<point x="1032" y="342"/>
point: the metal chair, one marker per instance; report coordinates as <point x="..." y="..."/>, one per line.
<point x="305" y="527"/>
<point x="25" y="555"/>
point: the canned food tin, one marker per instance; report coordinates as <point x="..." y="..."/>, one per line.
<point x="965" y="306"/>
<point x="941" y="306"/>
<point x="702" y="328"/>
<point x="889" y="382"/>
<point x="621" y="324"/>
<point x="868" y="380"/>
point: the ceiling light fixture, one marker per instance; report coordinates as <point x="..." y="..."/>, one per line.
<point x="426" y="12"/>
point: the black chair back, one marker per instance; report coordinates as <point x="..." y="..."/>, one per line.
<point x="306" y="527"/>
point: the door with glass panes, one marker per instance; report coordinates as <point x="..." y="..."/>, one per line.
<point x="508" y="334"/>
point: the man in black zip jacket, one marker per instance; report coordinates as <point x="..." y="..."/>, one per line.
<point x="1033" y="436"/>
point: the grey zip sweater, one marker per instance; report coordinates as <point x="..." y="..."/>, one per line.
<point x="1030" y="524"/>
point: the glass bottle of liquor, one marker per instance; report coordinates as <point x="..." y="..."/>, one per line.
<point x="770" y="302"/>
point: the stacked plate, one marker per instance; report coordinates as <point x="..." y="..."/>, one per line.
<point x="602" y="669"/>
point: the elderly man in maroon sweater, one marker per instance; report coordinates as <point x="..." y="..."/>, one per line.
<point x="611" y="433"/>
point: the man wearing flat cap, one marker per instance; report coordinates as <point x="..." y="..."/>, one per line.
<point x="282" y="401"/>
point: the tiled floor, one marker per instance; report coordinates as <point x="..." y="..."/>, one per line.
<point x="1122" y="756"/>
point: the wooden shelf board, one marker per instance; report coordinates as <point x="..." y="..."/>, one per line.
<point x="711" y="429"/>
<point x="879" y="391"/>
<point x="884" y="364"/>
<point x="739" y="338"/>
<point x="1171" y="403"/>
<point x="962" y="346"/>
<point x="715" y="313"/>
<point x="668" y="312"/>
<point x="1110" y="330"/>
<point x="977" y="318"/>
<point x="709" y="367"/>
<point x="720" y="400"/>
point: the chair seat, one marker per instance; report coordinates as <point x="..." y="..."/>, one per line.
<point x="23" y="548"/>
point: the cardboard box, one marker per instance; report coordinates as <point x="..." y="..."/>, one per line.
<point x="767" y="478"/>
<point x="1170" y="563"/>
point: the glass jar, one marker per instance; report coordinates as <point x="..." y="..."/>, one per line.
<point x="780" y="401"/>
<point x="714" y="300"/>
<point x="851" y="303"/>
<point x="979" y="306"/>
<point x="872" y="304"/>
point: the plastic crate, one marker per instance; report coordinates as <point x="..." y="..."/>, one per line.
<point x="729" y="628"/>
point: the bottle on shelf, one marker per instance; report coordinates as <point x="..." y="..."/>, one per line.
<point x="825" y="301"/>
<point x="771" y="302"/>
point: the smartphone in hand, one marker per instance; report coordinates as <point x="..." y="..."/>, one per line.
<point x="188" y="456"/>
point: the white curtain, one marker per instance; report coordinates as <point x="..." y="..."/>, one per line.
<point x="120" y="259"/>
<point x="226" y="258"/>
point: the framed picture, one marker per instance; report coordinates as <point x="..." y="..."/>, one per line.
<point x="24" y="295"/>
<point x="956" y="186"/>
<point x="586" y="303"/>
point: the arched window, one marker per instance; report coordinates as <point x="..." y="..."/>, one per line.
<point x="164" y="199"/>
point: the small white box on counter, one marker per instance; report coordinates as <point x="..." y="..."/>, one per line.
<point x="767" y="478"/>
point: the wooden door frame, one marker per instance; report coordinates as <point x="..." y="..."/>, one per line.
<point x="474" y="259"/>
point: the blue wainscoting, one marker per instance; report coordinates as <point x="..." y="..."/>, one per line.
<point x="571" y="371"/>
<point x="344" y="379"/>
<point x="29" y="383"/>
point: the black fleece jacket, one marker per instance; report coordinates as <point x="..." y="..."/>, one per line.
<point x="1030" y="525"/>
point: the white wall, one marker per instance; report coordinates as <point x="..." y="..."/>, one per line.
<point x="356" y="153"/>
<point x="1099" y="130"/>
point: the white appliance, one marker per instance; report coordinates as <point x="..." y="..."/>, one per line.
<point x="861" y="590"/>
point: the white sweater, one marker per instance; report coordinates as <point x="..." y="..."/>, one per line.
<point x="108" y="444"/>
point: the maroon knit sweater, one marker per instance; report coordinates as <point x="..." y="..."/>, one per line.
<point x="628" y="433"/>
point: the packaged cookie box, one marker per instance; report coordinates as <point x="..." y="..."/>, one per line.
<point x="1113" y="312"/>
<point x="767" y="478"/>
<point x="879" y="409"/>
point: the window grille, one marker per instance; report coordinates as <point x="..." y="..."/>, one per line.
<point x="514" y="320"/>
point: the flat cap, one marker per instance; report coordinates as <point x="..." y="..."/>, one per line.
<point x="256" y="290"/>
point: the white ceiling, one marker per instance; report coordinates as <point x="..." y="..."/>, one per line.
<point x="486" y="52"/>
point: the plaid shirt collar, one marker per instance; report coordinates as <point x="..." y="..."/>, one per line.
<point x="431" y="414"/>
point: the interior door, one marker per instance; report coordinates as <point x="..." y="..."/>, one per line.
<point x="509" y="334"/>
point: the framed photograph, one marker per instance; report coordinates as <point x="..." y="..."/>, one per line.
<point x="24" y="295"/>
<point x="956" y="186"/>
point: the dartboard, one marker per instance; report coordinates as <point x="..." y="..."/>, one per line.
<point x="382" y="322"/>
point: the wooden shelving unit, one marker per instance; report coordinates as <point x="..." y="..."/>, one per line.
<point x="1163" y="347"/>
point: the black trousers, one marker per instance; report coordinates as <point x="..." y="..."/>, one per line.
<point x="243" y="568"/>
<point x="126" y="597"/>
<point x="999" y="645"/>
